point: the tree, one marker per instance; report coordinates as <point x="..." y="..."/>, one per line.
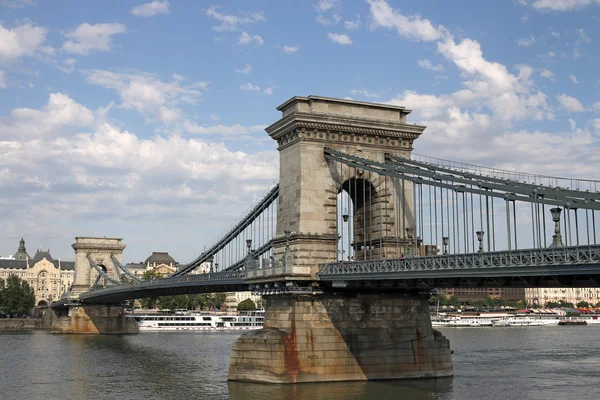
<point x="146" y="276"/>
<point x="583" y="304"/>
<point x="215" y="300"/>
<point x="16" y="297"/>
<point x="246" y="305"/>
<point x="151" y="274"/>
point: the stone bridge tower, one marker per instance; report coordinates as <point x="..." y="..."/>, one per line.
<point x="100" y="250"/>
<point x="339" y="333"/>
<point x="309" y="184"/>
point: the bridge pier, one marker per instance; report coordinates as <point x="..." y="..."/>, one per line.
<point x="342" y="337"/>
<point x="91" y="319"/>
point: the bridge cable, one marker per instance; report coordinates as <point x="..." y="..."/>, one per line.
<point x="101" y="271"/>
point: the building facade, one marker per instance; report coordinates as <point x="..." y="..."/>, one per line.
<point x="235" y="298"/>
<point x="48" y="277"/>
<point x="541" y="296"/>
<point x="478" y="293"/>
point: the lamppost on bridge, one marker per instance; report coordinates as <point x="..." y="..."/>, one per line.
<point x="445" y="241"/>
<point x="556" y="238"/>
<point x="480" y="239"/>
<point x="249" y="245"/>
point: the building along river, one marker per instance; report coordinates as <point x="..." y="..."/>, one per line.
<point x="490" y="363"/>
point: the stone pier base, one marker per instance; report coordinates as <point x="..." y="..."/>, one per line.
<point x="342" y="337"/>
<point x="93" y="319"/>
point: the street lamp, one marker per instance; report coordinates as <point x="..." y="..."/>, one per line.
<point x="345" y="216"/>
<point x="480" y="239"/>
<point x="249" y="244"/>
<point x="556" y="238"/>
<point x="445" y="241"/>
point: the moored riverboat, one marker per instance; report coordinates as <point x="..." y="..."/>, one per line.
<point x="198" y="321"/>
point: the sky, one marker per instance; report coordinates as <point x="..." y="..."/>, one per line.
<point x="145" y="120"/>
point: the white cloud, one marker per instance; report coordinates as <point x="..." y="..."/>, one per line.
<point x="550" y="54"/>
<point x="555" y="34"/>
<point x="151" y="9"/>
<point x="525" y="42"/>
<point x="560" y="5"/>
<point x="246" y="70"/>
<point x="428" y="65"/>
<point x="573" y="78"/>
<point x="596" y="106"/>
<point x="60" y="112"/>
<point x="412" y="27"/>
<point x="147" y="94"/>
<point x="246" y="39"/>
<point x="101" y="175"/>
<point x="268" y="91"/>
<point x="23" y="40"/>
<point x="546" y="73"/>
<point x="249" y="87"/>
<point x="365" y="93"/>
<point x="339" y="38"/>
<point x="474" y="123"/>
<point x="223" y="130"/>
<point x="68" y="65"/>
<point x="583" y="37"/>
<point x="2" y="79"/>
<point x="87" y="38"/>
<point x="17" y="3"/>
<point x="353" y="25"/>
<point x="327" y="5"/>
<point x="232" y="22"/>
<point x="291" y="49"/>
<point x="569" y="103"/>
<point x="322" y="20"/>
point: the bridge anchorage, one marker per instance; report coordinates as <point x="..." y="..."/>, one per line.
<point x="348" y="245"/>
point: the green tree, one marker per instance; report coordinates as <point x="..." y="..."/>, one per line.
<point x="16" y="297"/>
<point x="151" y="274"/>
<point x="583" y="304"/>
<point x="246" y="305"/>
<point x="146" y="276"/>
<point x="215" y="300"/>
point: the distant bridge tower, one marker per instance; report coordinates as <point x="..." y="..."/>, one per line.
<point x="100" y="249"/>
<point x="309" y="185"/>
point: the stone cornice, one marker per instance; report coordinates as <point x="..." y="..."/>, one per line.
<point x="296" y="238"/>
<point x="82" y="247"/>
<point x="339" y="123"/>
<point x="329" y="138"/>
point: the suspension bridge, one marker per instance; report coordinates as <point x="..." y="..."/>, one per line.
<point x="348" y="244"/>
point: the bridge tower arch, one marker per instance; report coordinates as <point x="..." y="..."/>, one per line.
<point x="100" y="249"/>
<point x="309" y="184"/>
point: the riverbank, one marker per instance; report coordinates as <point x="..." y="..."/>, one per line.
<point x="20" y="324"/>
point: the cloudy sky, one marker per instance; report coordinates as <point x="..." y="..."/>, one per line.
<point x="145" y="120"/>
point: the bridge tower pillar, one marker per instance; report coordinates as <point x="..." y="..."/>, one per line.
<point x="329" y="334"/>
<point x="309" y="184"/>
<point x="100" y="249"/>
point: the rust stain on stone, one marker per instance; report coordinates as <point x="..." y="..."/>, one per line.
<point x="417" y="348"/>
<point x="290" y="356"/>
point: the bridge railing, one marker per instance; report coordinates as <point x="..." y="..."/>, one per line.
<point x="500" y="259"/>
<point x="208" y="278"/>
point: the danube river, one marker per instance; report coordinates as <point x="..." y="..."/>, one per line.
<point x="544" y="363"/>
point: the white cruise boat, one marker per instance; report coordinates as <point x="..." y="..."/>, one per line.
<point x="199" y="321"/>
<point x="463" y="321"/>
<point x="523" y="321"/>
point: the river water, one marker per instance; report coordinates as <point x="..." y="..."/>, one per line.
<point x="537" y="363"/>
